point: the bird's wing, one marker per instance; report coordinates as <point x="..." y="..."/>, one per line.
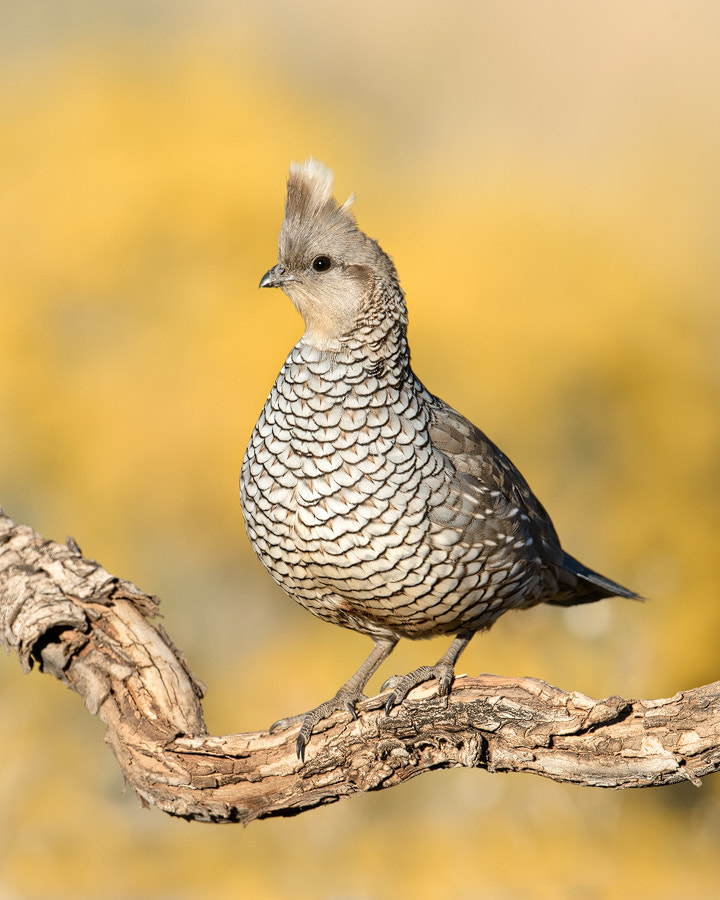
<point x="488" y="492"/>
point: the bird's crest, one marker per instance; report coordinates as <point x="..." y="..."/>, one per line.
<point x="309" y="192"/>
<point x="310" y="208"/>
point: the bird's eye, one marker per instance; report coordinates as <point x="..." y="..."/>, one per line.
<point x="321" y="263"/>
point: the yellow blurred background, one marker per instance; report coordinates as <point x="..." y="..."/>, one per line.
<point x="546" y="176"/>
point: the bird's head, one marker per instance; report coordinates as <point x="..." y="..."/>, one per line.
<point x="326" y="265"/>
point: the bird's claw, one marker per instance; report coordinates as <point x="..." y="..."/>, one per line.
<point x="402" y="685"/>
<point x="340" y="702"/>
<point x="282" y="724"/>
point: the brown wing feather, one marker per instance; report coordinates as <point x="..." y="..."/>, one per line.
<point x="484" y="472"/>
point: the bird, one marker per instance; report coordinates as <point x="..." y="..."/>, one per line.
<point x="373" y="503"/>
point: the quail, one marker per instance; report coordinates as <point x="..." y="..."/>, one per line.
<point x="369" y="500"/>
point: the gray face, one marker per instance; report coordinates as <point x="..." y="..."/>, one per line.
<point x="326" y="265"/>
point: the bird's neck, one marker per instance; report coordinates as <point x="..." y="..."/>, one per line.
<point x="376" y="344"/>
<point x="380" y="335"/>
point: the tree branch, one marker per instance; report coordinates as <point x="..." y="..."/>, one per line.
<point x="96" y="633"/>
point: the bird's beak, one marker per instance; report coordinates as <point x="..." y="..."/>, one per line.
<point x="275" y="277"/>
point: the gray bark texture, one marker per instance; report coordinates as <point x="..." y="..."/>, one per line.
<point x="98" y="635"/>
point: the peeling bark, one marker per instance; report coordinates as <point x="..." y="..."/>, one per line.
<point x="98" y="635"/>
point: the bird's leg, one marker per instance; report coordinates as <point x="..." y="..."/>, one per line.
<point x="346" y="697"/>
<point x="443" y="670"/>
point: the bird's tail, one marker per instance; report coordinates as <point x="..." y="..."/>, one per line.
<point x="581" y="585"/>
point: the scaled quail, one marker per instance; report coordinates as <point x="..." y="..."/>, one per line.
<point x="369" y="500"/>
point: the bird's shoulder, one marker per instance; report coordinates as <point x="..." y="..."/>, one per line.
<point x="471" y="450"/>
<point x="477" y="466"/>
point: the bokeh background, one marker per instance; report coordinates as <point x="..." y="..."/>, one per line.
<point x="546" y="176"/>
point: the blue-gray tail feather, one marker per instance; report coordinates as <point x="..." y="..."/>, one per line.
<point x="588" y="586"/>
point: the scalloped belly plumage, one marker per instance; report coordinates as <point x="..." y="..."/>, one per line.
<point x="341" y="505"/>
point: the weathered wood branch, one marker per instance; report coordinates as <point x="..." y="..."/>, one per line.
<point x="98" y="635"/>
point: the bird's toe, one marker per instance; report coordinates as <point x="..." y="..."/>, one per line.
<point x="341" y="702"/>
<point x="402" y="685"/>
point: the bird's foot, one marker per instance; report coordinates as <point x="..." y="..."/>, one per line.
<point x="402" y="684"/>
<point x="342" y="701"/>
<point x="345" y="699"/>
